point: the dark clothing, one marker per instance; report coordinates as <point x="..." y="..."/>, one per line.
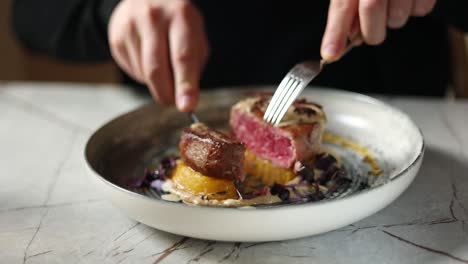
<point x="256" y="42"/>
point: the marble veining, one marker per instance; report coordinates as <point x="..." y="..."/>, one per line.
<point x="50" y="212"/>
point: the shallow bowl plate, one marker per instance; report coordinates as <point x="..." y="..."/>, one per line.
<point x="117" y="153"/>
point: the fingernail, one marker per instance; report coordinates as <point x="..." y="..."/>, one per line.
<point x="358" y="42"/>
<point x="353" y="33"/>
<point x="329" y="52"/>
<point x="396" y="19"/>
<point x="184" y="102"/>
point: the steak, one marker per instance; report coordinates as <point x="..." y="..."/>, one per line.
<point x="298" y="137"/>
<point x="212" y="153"/>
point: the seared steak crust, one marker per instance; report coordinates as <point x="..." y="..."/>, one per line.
<point x="212" y="153"/>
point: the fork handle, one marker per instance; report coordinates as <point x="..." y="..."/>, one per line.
<point x="193" y="118"/>
<point x="350" y="44"/>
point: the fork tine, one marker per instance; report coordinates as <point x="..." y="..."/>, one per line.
<point x="280" y="94"/>
<point x="283" y="100"/>
<point x="290" y="87"/>
<point x="297" y="90"/>
<point x="278" y="101"/>
<point x="275" y="97"/>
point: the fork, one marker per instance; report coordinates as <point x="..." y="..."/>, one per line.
<point x="292" y="85"/>
<point x="193" y="118"/>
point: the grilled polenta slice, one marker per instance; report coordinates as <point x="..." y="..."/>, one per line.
<point x="264" y="169"/>
<point x="191" y="181"/>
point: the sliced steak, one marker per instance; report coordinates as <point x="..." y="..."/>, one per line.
<point x="212" y="153"/>
<point x="297" y="137"/>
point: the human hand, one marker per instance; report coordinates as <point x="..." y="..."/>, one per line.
<point x="370" y="18"/>
<point x="161" y="43"/>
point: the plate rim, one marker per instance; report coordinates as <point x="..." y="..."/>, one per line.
<point x="361" y="97"/>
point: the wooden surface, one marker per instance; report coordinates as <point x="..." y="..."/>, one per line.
<point x="459" y="56"/>
<point x="11" y="62"/>
<point x="17" y="64"/>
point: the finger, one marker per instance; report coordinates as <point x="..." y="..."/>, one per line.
<point x="132" y="46"/>
<point x="185" y="52"/>
<point x="373" y="20"/>
<point x="120" y="55"/>
<point x="117" y="34"/>
<point x="204" y="55"/>
<point x="155" y="56"/>
<point x="399" y="12"/>
<point x="341" y="14"/>
<point x="422" y="7"/>
<point x="355" y="36"/>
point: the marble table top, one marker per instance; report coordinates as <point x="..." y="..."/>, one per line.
<point x="51" y="213"/>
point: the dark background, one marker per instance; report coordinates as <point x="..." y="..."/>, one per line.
<point x="17" y="64"/>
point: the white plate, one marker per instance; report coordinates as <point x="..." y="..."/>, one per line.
<point x="116" y="154"/>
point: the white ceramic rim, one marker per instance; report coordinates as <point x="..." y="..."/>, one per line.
<point x="357" y="96"/>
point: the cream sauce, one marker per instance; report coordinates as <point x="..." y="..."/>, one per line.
<point x="192" y="199"/>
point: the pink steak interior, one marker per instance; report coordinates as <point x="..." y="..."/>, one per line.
<point x="262" y="139"/>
